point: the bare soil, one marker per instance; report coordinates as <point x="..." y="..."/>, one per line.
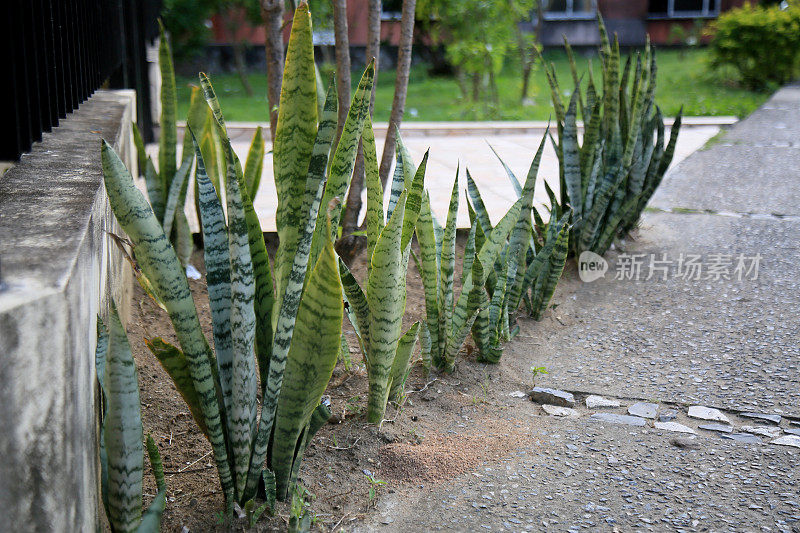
<point x="448" y="424"/>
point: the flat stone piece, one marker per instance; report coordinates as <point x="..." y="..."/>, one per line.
<point x="688" y="443"/>
<point x="643" y="409"/>
<point x="517" y="394"/>
<point x="748" y="438"/>
<point x="775" y="419"/>
<point x="613" y="418"/>
<point x="557" y="410"/>
<point x="552" y="397"/>
<point x="721" y="428"/>
<point x="793" y="431"/>
<point x="707" y="413"/>
<point x="598" y="402"/>
<point x="674" y="426"/>
<point x="765" y="431"/>
<point x="787" y="440"/>
<point x="666" y="416"/>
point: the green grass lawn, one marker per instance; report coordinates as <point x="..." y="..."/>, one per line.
<point x="682" y="80"/>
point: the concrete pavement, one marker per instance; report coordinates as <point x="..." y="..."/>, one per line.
<point x="719" y="340"/>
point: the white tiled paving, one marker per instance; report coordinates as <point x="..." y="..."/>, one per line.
<point x="470" y="151"/>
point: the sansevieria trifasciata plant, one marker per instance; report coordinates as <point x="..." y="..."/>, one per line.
<point x="121" y="449"/>
<point x="377" y="313"/>
<point x="609" y="178"/>
<point x="280" y="338"/>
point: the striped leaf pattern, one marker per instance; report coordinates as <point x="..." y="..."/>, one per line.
<point x="608" y="180"/>
<point x="254" y="164"/>
<point x="168" y="139"/>
<point x="385" y="297"/>
<point x="159" y="263"/>
<point x="313" y="355"/>
<point x="122" y="431"/>
<point x="294" y="141"/>
<point x="402" y="358"/>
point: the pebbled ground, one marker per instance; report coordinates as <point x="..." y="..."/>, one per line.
<point x="721" y="343"/>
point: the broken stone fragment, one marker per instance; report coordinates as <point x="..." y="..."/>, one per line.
<point x="775" y="419"/>
<point x="598" y="402"/>
<point x="765" y="431"/>
<point x="720" y="428"/>
<point x="557" y="410"/>
<point x="707" y="413"/>
<point x="643" y="409"/>
<point x="748" y="438"/>
<point x="787" y="440"/>
<point x="674" y="426"/>
<point x="613" y="418"/>
<point x="552" y="397"/>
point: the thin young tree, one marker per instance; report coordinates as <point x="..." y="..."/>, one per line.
<point x="400" y="87"/>
<point x="272" y="13"/>
<point x="354" y="204"/>
<point x="342" y="42"/>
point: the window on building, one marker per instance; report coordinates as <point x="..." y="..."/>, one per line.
<point x="569" y="9"/>
<point x="683" y="8"/>
<point x="391" y="9"/>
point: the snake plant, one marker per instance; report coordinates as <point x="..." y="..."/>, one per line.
<point x="280" y="339"/>
<point x="377" y="312"/>
<point x="539" y="264"/>
<point x="609" y="178"/>
<point x="121" y="450"/>
<point x="167" y="185"/>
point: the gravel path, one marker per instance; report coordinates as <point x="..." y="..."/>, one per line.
<point x="719" y="343"/>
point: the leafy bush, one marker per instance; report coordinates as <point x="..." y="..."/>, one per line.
<point x="608" y="180"/>
<point x="761" y="42"/>
<point x="290" y="330"/>
<point x="121" y="450"/>
<point x="377" y="313"/>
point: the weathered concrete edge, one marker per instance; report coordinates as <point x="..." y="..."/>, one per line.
<point x="59" y="269"/>
<point x="503" y="127"/>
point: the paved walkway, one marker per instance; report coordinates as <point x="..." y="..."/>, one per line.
<point x="673" y="340"/>
<point x="448" y="149"/>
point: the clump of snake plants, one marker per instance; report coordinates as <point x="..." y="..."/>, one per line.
<point x="377" y="312"/>
<point x="274" y="335"/>
<point x="540" y="261"/>
<point x="608" y="179"/>
<point x="121" y="449"/>
<point x="167" y="186"/>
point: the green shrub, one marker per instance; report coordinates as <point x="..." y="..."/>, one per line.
<point x="761" y="43"/>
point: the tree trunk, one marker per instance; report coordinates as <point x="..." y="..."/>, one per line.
<point x="353" y="207"/>
<point x="241" y="66"/>
<point x="342" y="42"/>
<point x="272" y="13"/>
<point x="400" y="87"/>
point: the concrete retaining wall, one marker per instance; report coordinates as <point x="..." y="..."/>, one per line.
<point x="59" y="269"/>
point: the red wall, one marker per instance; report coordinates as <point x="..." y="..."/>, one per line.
<point x="356" y="25"/>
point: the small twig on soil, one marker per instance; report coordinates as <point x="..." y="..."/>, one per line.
<point x="428" y="384"/>
<point x="173" y="472"/>
<point x="339" y="522"/>
<point x="559" y="321"/>
<point x="344" y="447"/>
<point x="184" y="469"/>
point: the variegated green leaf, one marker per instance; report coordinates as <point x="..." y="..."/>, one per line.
<point x="313" y="353"/>
<point x="374" y="216"/>
<point x="402" y="358"/>
<point x="386" y="298"/>
<point x="429" y="271"/>
<point x="254" y="164"/>
<point x="177" y="191"/>
<point x="161" y="266"/>
<point x="168" y="141"/>
<point x="122" y="431"/>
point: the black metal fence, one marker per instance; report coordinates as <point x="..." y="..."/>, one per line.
<point x="60" y="52"/>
